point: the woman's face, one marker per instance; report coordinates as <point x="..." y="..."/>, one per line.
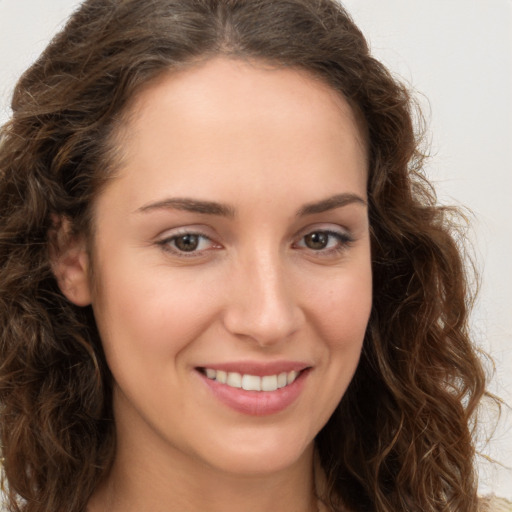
<point x="233" y="250"/>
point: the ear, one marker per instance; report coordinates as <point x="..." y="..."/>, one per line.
<point x="70" y="262"/>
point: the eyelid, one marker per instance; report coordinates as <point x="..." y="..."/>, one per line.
<point x="165" y="239"/>
<point x="332" y="228"/>
<point x="344" y="236"/>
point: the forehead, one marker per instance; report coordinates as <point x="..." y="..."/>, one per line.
<point x="241" y="90"/>
<point x="234" y="120"/>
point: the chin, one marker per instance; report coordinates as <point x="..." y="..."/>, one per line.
<point x="260" y="456"/>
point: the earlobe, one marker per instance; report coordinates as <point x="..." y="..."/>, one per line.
<point x="70" y="262"/>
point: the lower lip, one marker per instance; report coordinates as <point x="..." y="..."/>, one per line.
<point x="257" y="403"/>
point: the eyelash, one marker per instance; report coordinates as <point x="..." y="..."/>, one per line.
<point x="344" y="240"/>
<point x="168" y="244"/>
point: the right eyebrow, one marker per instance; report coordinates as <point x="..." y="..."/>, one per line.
<point x="336" y="201"/>
<point x="189" y="205"/>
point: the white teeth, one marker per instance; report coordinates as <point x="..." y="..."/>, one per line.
<point x="211" y="373"/>
<point x="252" y="382"/>
<point x="269" y="383"/>
<point x="292" y="376"/>
<point x="234" y="380"/>
<point x="282" y="380"/>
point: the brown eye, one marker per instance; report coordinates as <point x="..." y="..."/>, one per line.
<point x="187" y="243"/>
<point x="317" y="240"/>
<point x="325" y="241"/>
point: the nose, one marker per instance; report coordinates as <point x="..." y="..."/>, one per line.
<point x="262" y="304"/>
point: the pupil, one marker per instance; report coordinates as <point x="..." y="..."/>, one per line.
<point x="317" y="240"/>
<point x="187" y="243"/>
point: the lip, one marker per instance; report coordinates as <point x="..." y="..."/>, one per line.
<point x="257" y="403"/>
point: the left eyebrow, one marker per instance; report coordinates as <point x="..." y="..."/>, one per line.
<point x="337" y="201"/>
<point x="190" y="205"/>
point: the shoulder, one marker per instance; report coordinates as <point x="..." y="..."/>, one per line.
<point x="495" y="504"/>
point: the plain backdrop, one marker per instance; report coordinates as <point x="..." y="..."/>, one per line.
<point x="457" y="56"/>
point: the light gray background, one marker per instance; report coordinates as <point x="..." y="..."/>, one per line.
<point x="457" y="54"/>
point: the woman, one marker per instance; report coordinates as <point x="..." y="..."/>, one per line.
<point x="224" y="281"/>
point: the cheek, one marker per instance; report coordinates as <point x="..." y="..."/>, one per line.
<point x="148" y="315"/>
<point x="339" y="313"/>
<point x="342" y="309"/>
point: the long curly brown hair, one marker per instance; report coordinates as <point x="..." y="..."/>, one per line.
<point x="402" y="437"/>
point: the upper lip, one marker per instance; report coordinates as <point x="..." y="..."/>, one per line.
<point x="258" y="368"/>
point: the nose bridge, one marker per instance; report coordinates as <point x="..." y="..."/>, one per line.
<point x="262" y="304"/>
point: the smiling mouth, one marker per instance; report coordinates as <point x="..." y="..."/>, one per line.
<point x="251" y="382"/>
